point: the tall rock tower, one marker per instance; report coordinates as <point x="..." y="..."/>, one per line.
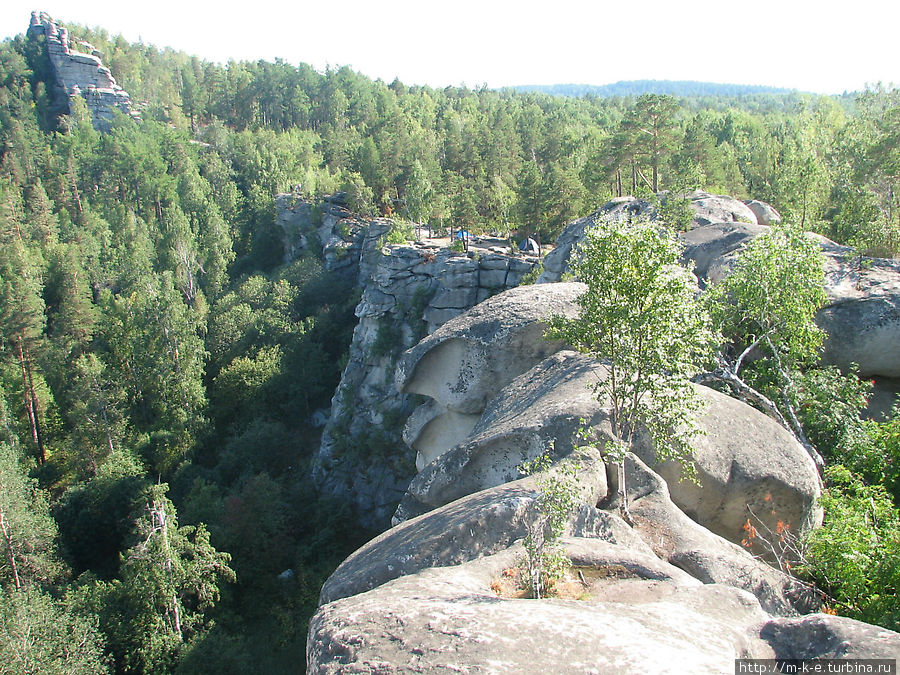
<point x="79" y="74"/>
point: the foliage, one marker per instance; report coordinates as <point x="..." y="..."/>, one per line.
<point x="765" y="311"/>
<point x="675" y="211"/>
<point x="830" y="407"/>
<point x="545" y="560"/>
<point x="770" y="299"/>
<point x="27" y="531"/>
<point x="400" y="233"/>
<point x="41" y="635"/>
<point x="149" y="323"/>
<point x="170" y="578"/>
<point x="641" y="318"/>
<point x="855" y="555"/>
<point x="531" y="276"/>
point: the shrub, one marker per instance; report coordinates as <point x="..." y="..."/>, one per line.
<point x="855" y="555"/>
<point x="545" y="560"/>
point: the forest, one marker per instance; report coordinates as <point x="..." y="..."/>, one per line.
<point x="160" y="362"/>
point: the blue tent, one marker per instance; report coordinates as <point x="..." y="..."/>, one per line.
<point x="463" y="234"/>
<point x="529" y="245"/>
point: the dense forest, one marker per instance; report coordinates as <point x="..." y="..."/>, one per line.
<point x="640" y="87"/>
<point x="160" y="363"/>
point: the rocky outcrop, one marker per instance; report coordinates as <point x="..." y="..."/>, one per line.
<point x="462" y="365"/>
<point x="748" y="466"/>
<point x="713" y="248"/>
<point x="670" y="593"/>
<point x="765" y="213"/>
<point x="707" y="209"/>
<point x="623" y="209"/>
<point x="408" y="292"/>
<point x="79" y="74"/>
<point x="861" y="318"/>
<point x="328" y="229"/>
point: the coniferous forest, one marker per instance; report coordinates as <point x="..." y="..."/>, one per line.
<point x="160" y="363"/>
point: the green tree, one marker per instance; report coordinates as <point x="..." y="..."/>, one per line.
<point x="96" y="414"/>
<point x="418" y="194"/>
<point x="27" y="531"/>
<point x="545" y="560"/>
<point x="159" y="358"/>
<point x="641" y="318"/>
<point x="41" y="635"/>
<point x="855" y="556"/>
<point x="169" y="580"/>
<point x="766" y="307"/>
<point x="655" y="130"/>
<point x="22" y="307"/>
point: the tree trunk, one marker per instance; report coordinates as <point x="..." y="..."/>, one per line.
<point x="31" y="401"/>
<point x="10" y="552"/>
<point x="748" y="394"/>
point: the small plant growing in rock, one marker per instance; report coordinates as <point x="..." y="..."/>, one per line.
<point x="545" y="560"/>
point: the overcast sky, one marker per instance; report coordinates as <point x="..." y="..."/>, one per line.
<point x="812" y="46"/>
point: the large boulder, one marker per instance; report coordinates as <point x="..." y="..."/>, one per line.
<point x="409" y="291"/>
<point x="765" y="213"/>
<point x="748" y="466"/>
<point x="621" y="209"/>
<point x="709" y="208"/>
<point x="663" y="596"/>
<point x="463" y="364"/>
<point x="714" y="247"/>
<point x="862" y="317"/>
<point x="668" y="591"/>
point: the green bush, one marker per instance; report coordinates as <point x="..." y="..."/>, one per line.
<point x="855" y="556"/>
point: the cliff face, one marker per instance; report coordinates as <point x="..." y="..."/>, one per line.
<point x="672" y="591"/>
<point x="408" y="292"/>
<point x="79" y="74"/>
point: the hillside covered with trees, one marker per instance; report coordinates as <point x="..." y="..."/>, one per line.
<point x="160" y="363"/>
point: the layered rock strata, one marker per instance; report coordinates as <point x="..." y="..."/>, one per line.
<point x="408" y="292"/>
<point x="80" y="74"/>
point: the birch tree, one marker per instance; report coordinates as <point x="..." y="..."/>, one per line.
<point x="640" y="317"/>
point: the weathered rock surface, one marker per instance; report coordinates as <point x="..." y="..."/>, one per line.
<point x="623" y="209"/>
<point x="765" y="213"/>
<point x="463" y="364"/>
<point x="408" y="291"/>
<point x="719" y="209"/>
<point x="713" y="248"/>
<point x="861" y="319"/>
<point x="674" y="595"/>
<point x="748" y="466"/>
<point x="862" y="316"/>
<point x="79" y="74"/>
<point x="707" y="209"/>
<point x="448" y="620"/>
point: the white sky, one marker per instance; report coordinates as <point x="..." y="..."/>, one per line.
<point x="825" y="47"/>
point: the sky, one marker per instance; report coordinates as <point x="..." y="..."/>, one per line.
<point x="817" y="47"/>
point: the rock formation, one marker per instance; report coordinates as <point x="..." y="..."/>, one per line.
<point x="79" y="74"/>
<point x="765" y="213"/>
<point x="862" y="316"/>
<point x="408" y="292"/>
<point x="673" y="593"/>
